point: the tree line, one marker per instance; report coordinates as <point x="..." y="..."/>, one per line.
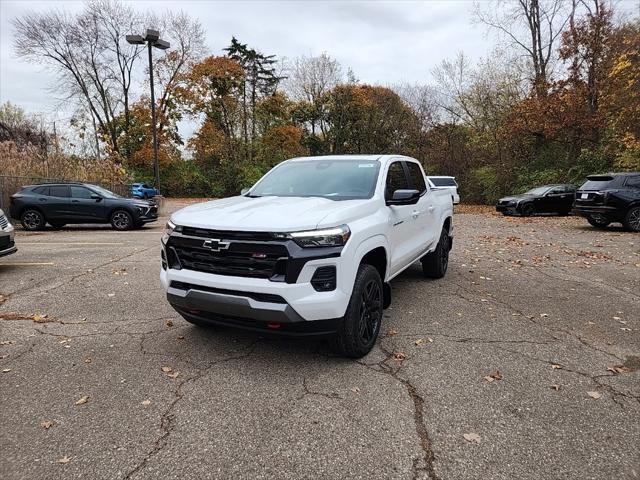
<point x="557" y="100"/>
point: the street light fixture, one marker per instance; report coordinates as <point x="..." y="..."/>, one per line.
<point x="152" y="39"/>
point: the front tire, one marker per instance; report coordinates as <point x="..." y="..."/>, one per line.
<point x="632" y="219"/>
<point x="360" y="325"/>
<point x="121" y="220"/>
<point x="32" y="220"/>
<point x="598" y="221"/>
<point x="528" y="210"/>
<point x="435" y="264"/>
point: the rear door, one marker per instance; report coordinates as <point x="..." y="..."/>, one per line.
<point x="58" y="203"/>
<point x="400" y="218"/>
<point x="83" y="207"/>
<point x="554" y="200"/>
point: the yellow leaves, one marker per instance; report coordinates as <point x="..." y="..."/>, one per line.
<point x="47" y="424"/>
<point x="82" y="400"/>
<point x="64" y="460"/>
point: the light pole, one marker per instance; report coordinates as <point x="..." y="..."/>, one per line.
<point x="152" y="39"/>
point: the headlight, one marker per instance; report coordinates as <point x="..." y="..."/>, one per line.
<point x="172" y="227"/>
<point x="328" y="237"/>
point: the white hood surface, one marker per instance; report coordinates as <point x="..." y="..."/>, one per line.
<point x="268" y="214"/>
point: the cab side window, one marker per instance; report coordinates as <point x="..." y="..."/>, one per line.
<point x="416" y="176"/>
<point x="396" y="179"/>
<point x="59" y="191"/>
<point x="633" y="182"/>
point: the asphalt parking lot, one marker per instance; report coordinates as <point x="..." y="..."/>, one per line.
<point x="522" y="363"/>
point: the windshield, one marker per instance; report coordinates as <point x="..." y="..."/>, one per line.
<point x="537" y="191"/>
<point x="332" y="179"/>
<point x="104" y="192"/>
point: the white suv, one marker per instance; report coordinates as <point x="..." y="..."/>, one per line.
<point x="309" y="249"/>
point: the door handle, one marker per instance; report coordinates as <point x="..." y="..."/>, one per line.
<point x="42" y="199"/>
<point x="75" y="201"/>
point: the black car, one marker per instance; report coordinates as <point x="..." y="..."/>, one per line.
<point x="546" y="199"/>
<point x="61" y="203"/>
<point x="614" y="197"/>
<point x="7" y="245"/>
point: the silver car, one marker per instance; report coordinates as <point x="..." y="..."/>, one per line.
<point x="7" y="243"/>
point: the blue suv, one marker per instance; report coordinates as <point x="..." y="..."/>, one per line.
<point x="142" y="190"/>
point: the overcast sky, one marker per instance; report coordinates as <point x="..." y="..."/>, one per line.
<point x="384" y="42"/>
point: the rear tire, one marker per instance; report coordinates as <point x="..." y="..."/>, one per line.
<point x="32" y="220"/>
<point x="359" y="328"/>
<point x="435" y="264"/>
<point x="598" y="221"/>
<point x="632" y="219"/>
<point x="121" y="220"/>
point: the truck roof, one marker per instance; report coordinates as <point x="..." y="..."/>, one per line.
<point x="368" y="158"/>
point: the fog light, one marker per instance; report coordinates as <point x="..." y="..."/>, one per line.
<point x="324" y="279"/>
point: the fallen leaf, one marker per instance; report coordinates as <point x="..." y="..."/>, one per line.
<point x="472" y="437"/>
<point x="617" y="318"/>
<point x="180" y="337"/>
<point x="87" y="360"/>
<point x="544" y="315"/>
<point x="555" y="366"/>
<point x="6" y="370"/>
<point x="173" y="374"/>
<point x="7" y="342"/>
<point x="64" y="459"/>
<point x="169" y="323"/>
<point x="146" y="402"/>
<point x="82" y="400"/>
<point x="595" y="395"/>
<point x="355" y="389"/>
<point x="422" y="341"/>
<point x="166" y="369"/>
<point x="619" y="369"/>
<point x="47" y="424"/>
<point x="39" y="318"/>
<point x="111" y="294"/>
<point x="392" y="332"/>
<point x="400" y="356"/>
<point x="555" y="387"/>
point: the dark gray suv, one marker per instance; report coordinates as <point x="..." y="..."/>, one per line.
<point x="63" y="203"/>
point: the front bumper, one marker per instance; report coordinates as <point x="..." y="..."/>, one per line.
<point x="508" y="209"/>
<point x="150" y="214"/>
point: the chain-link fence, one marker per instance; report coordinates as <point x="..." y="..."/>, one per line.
<point x="11" y="184"/>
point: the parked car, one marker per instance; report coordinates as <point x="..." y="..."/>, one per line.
<point x="142" y="190"/>
<point x="309" y="249"/>
<point x="446" y="183"/>
<point x="62" y="203"/>
<point x="614" y="197"/>
<point x="546" y="199"/>
<point x="7" y="243"/>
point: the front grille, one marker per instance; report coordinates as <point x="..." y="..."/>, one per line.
<point x="227" y="235"/>
<point x="3" y="222"/>
<point x="241" y="259"/>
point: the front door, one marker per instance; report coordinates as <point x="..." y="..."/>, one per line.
<point x="400" y="219"/>
<point x="83" y="207"/>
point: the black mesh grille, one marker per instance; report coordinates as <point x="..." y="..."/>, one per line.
<point x="324" y="279"/>
<point x="240" y="259"/>
<point x="3" y="222"/>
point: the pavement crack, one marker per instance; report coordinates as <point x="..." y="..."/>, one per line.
<point x="308" y="391"/>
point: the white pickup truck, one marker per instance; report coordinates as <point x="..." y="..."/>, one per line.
<point x="309" y="249"/>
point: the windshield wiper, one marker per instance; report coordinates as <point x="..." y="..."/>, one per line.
<point x="252" y="196"/>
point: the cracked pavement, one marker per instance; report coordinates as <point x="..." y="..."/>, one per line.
<point x="549" y="303"/>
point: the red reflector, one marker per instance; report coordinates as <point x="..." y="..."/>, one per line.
<point x="195" y="312"/>
<point x="273" y="325"/>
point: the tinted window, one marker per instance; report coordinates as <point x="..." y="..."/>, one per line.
<point x="59" y="191"/>
<point x="598" y="183"/>
<point x="416" y="176"/>
<point x="332" y="179"/>
<point x="80" y="192"/>
<point x="41" y="190"/>
<point x="556" y="190"/>
<point x="443" y="181"/>
<point x="633" y="182"/>
<point x="396" y="179"/>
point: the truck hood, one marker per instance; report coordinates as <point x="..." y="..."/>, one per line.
<point x="269" y="214"/>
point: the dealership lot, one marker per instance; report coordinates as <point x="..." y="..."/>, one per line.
<point x="523" y="362"/>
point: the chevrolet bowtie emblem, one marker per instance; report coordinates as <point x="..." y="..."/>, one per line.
<point x="216" y="245"/>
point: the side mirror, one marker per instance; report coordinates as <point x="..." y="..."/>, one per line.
<point x="404" y="197"/>
<point x="95" y="196"/>
<point x="244" y="191"/>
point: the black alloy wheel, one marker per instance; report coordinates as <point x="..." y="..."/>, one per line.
<point x="359" y="328"/>
<point x="32" y="220"/>
<point x="598" y="221"/>
<point x="121" y="220"/>
<point x="632" y="219"/>
<point x="528" y="209"/>
<point x="435" y="264"/>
